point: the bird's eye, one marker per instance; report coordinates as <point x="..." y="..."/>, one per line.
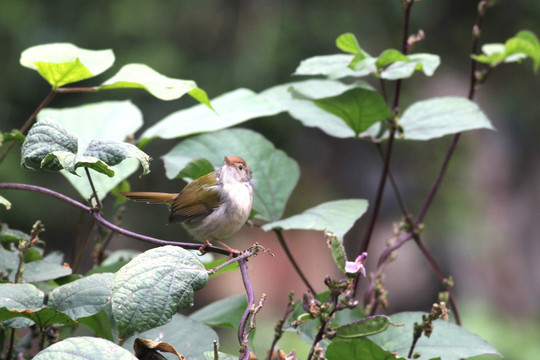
<point x="241" y="167"/>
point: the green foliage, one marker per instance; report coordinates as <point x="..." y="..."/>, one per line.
<point x="131" y="294"/>
<point x="166" y="278"/>
<point x="448" y="341"/>
<point x="84" y="347"/>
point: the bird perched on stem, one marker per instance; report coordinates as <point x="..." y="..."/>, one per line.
<point x="211" y="207"/>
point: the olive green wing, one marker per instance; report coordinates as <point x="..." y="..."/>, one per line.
<point x="196" y="201"/>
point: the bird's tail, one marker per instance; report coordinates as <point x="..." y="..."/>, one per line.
<point x="150" y="197"/>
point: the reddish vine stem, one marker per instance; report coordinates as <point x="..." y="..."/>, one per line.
<point x="29" y="121"/>
<point x="107" y="224"/>
<point x="386" y="165"/>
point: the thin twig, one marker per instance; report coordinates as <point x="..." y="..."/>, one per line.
<point x="283" y="244"/>
<point x="103" y="222"/>
<point x="94" y="192"/>
<point x="278" y="330"/>
<point x="322" y="328"/>
<point x="244" y="352"/>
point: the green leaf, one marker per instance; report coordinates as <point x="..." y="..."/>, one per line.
<point x="43" y="270"/>
<point x="222" y="313"/>
<point x="275" y="174"/>
<point x="360" y="348"/>
<point x="433" y="118"/>
<point x="338" y="251"/>
<point x="114" y="152"/>
<point x="12" y="235"/>
<point x="332" y="66"/>
<point x="64" y="63"/>
<point x="364" y="327"/>
<point x="42" y="317"/>
<point x="347" y="42"/>
<point x="144" y="77"/>
<point x="20" y="297"/>
<point x="388" y="57"/>
<point x="105" y="121"/>
<point x="5" y="202"/>
<point x="83" y="297"/>
<point x="403" y="69"/>
<point x="231" y="108"/>
<point x="45" y="137"/>
<point x="153" y="286"/>
<point x="448" y="340"/>
<point x="190" y="337"/>
<point x="100" y="324"/>
<point x="306" y="111"/>
<point x="14" y="135"/>
<point x="9" y="261"/>
<point x="525" y="42"/>
<point x="71" y="162"/>
<point x="196" y="168"/>
<point x="334" y="216"/>
<point x="359" y="108"/>
<point x="83" y="348"/>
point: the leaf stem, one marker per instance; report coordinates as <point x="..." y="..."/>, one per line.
<point x="94" y="192"/>
<point x="285" y="248"/>
<point x="278" y="330"/>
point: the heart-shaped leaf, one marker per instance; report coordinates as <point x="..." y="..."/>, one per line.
<point x="165" y="88"/>
<point x="83" y="297"/>
<point x="153" y="286"/>
<point x="64" y="63"/>
<point x="274" y="173"/>
<point x="20" y="297"/>
<point x="334" y="216"/>
<point x="109" y="121"/>
<point x="231" y="109"/>
<point x="84" y="348"/>
<point x="433" y="118"/>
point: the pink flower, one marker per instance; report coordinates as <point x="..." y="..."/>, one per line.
<point x="357" y="266"/>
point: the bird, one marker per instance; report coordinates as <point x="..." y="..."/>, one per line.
<point x="211" y="207"/>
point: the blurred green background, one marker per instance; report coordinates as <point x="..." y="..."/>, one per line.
<point x="483" y="226"/>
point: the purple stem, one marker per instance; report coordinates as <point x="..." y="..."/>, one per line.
<point x="107" y="224"/>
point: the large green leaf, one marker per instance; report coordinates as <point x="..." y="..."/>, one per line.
<point x="359" y="108"/>
<point x="433" y="118"/>
<point x="332" y="66"/>
<point x="334" y="216"/>
<point x="275" y="174"/>
<point x="402" y="69"/>
<point x="448" y="341"/>
<point x="231" y="108"/>
<point x="190" y="337"/>
<point x="43" y="270"/>
<point x="364" y="327"/>
<point x="310" y="114"/>
<point x="64" y="63"/>
<point x="83" y="297"/>
<point x="360" y="348"/>
<point x="144" y="77"/>
<point x="83" y="348"/>
<point x="222" y="313"/>
<point x="153" y="286"/>
<point x="108" y="121"/>
<point x="20" y="297"/>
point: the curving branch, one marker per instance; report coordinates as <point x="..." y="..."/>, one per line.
<point x="97" y="215"/>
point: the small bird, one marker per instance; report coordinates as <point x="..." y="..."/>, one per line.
<point x="211" y="207"/>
